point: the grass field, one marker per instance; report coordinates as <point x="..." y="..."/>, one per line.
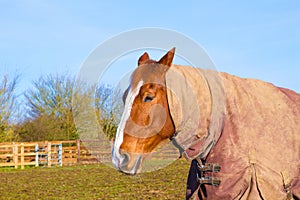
<point x="96" y="181"/>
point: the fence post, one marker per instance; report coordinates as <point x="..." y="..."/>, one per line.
<point x="49" y="154"/>
<point x="22" y="155"/>
<point x="36" y="154"/>
<point x="15" y="152"/>
<point x="60" y="154"/>
<point x="78" y="150"/>
<point x="45" y="153"/>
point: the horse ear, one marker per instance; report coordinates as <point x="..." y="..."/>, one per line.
<point x="168" y="58"/>
<point x="143" y="58"/>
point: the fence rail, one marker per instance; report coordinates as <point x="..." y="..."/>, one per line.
<point x="59" y="153"/>
<point x="54" y="153"/>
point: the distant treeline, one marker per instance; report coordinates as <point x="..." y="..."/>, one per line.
<point x="46" y="111"/>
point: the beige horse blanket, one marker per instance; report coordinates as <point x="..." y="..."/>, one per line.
<point x="249" y="127"/>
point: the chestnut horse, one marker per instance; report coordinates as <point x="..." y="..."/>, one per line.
<point x="248" y="128"/>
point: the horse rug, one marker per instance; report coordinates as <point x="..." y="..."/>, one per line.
<point x="249" y="127"/>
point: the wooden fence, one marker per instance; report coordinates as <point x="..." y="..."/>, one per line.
<point x="59" y="153"/>
<point x="52" y="153"/>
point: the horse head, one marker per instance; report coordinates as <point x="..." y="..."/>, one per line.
<point x="146" y="120"/>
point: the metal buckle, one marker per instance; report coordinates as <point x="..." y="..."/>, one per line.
<point x="208" y="167"/>
<point x="209" y="180"/>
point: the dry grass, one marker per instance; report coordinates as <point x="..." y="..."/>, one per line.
<point x="93" y="182"/>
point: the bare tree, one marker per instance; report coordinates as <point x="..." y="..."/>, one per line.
<point x="7" y="103"/>
<point x="50" y="108"/>
<point x="108" y="109"/>
<point x="55" y="103"/>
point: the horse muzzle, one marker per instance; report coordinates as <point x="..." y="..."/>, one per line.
<point x="128" y="163"/>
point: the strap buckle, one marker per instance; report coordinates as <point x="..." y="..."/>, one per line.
<point x="209" y="180"/>
<point x="207" y="167"/>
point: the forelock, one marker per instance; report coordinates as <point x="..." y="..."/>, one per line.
<point x="149" y="73"/>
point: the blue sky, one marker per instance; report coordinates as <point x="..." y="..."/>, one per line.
<point x="258" y="39"/>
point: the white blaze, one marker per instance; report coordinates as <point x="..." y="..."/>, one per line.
<point x="132" y="93"/>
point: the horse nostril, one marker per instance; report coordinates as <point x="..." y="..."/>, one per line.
<point x="125" y="159"/>
<point x="130" y="163"/>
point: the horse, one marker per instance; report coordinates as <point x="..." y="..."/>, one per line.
<point x="241" y="135"/>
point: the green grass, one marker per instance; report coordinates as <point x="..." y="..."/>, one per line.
<point x="93" y="182"/>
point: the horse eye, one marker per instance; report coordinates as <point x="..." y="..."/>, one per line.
<point x="148" y="99"/>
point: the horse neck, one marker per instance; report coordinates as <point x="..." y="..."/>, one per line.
<point x="194" y="98"/>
